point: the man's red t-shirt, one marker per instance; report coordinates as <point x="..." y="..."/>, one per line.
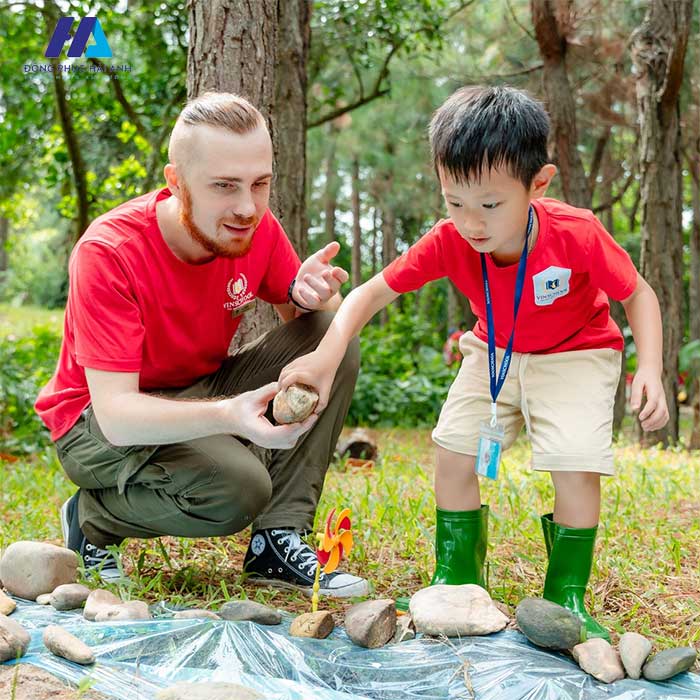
<point x="133" y="306"/>
<point x="573" y="268"/>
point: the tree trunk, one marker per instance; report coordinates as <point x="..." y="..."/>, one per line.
<point x="694" y="289"/>
<point x="616" y="309"/>
<point x="259" y="50"/>
<point x="294" y="21"/>
<point x="550" y="19"/>
<point x="4" y="235"/>
<point x="330" y="200"/>
<point x="388" y="246"/>
<point x="658" y="53"/>
<point x="356" y="269"/>
<point x="375" y="226"/>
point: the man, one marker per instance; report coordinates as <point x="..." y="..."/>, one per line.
<point x="162" y="432"/>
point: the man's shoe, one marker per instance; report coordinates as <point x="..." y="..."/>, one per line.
<point x="279" y="557"/>
<point x="99" y="561"/>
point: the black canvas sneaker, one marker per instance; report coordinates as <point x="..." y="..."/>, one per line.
<point x="100" y="561"/>
<point x="280" y="558"/>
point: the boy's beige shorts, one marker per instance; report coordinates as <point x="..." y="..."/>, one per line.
<point x="564" y="399"/>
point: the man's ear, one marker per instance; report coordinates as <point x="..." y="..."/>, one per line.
<point x="541" y="181"/>
<point x="171" y="178"/>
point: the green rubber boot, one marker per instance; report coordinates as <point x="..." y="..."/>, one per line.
<point x="570" y="552"/>
<point x="461" y="537"/>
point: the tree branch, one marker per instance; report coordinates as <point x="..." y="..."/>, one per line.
<point x="121" y="98"/>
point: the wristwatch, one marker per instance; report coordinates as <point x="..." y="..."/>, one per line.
<point x="292" y="300"/>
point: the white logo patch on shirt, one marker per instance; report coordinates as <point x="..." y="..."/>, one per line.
<point x="550" y="284"/>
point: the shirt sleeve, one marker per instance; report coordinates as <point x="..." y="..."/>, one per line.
<point x="107" y="320"/>
<point x="282" y="267"/>
<point x="423" y="262"/>
<point x="609" y="265"/>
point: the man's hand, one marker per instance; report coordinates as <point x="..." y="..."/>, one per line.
<point x="314" y="370"/>
<point x="317" y="280"/>
<point x="247" y="414"/>
<point x="647" y="383"/>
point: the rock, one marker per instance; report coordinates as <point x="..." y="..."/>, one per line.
<point x="43" y="599"/>
<point x="62" y="643"/>
<point x="317" y="625"/>
<point x="404" y="629"/>
<point x="669" y="663"/>
<point x="26" y="682"/>
<point x="599" y="659"/>
<point x="99" y="600"/>
<point x="29" y="569"/>
<point x="208" y="691"/>
<point x="548" y="625"/>
<point x="14" y="639"/>
<point x="372" y="623"/>
<point x="455" y="611"/>
<point x="634" y="651"/>
<point x="239" y="610"/>
<point x="295" y="404"/>
<point x="132" y="610"/>
<point x="69" y="596"/>
<point x="195" y="615"/>
<point x="7" y="605"/>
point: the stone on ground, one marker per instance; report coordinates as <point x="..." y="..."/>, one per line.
<point x="196" y="614"/>
<point x="600" y="660"/>
<point x="98" y="601"/>
<point x="547" y="624"/>
<point x="669" y="663"/>
<point x="69" y="596"/>
<point x="249" y="610"/>
<point x="62" y="643"/>
<point x="208" y="691"/>
<point x="14" y="639"/>
<point x="372" y="623"/>
<point x="7" y="605"/>
<point x="317" y="625"/>
<point x="634" y="651"/>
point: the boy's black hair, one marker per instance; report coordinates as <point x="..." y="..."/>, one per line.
<point x="479" y="127"/>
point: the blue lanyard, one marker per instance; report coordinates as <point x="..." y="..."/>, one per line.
<point x="497" y="384"/>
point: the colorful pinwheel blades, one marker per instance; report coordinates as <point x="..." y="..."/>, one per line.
<point x="336" y="541"/>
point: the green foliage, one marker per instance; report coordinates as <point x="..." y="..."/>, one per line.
<point x="26" y="364"/>
<point x="689" y="359"/>
<point x="403" y="378"/>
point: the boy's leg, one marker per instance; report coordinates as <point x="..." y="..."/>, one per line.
<point x="569" y="399"/>
<point x="461" y="531"/>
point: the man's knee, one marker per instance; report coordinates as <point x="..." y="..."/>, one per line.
<point x="350" y="366"/>
<point x="240" y="490"/>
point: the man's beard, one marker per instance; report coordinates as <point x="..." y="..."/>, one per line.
<point x="231" y="249"/>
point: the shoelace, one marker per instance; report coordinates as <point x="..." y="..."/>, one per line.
<point x="100" y="556"/>
<point x="293" y="541"/>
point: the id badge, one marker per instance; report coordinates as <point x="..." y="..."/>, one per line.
<point x="488" y="455"/>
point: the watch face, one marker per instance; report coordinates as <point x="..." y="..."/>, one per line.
<point x="242" y="309"/>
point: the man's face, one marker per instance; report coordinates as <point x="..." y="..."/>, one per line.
<point x="225" y="188"/>
<point x="491" y="215"/>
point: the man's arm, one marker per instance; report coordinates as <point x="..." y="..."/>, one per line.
<point x="644" y="316"/>
<point x="128" y="417"/>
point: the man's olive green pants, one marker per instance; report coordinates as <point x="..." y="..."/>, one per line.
<point x="215" y="485"/>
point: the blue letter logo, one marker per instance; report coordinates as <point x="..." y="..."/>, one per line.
<point x="88" y="26"/>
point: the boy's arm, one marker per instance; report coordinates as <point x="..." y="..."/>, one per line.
<point x="644" y="316"/>
<point x="318" y="368"/>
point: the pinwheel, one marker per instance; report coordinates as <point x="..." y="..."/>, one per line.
<point x="334" y="543"/>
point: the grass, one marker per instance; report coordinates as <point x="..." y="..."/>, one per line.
<point x="19" y="320"/>
<point x="646" y="578"/>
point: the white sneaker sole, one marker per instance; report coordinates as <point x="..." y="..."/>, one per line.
<point x="64" y="522"/>
<point x="354" y="590"/>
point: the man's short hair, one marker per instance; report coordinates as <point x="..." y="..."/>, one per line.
<point x="479" y="127"/>
<point x="224" y="110"/>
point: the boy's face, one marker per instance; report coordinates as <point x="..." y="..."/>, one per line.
<point x="491" y="214"/>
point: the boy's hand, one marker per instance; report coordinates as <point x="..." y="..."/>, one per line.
<point x="312" y="369"/>
<point x="654" y="415"/>
<point x="317" y="280"/>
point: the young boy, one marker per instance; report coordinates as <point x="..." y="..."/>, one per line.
<point x="544" y="351"/>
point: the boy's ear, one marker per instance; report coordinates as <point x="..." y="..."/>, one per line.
<point x="541" y="181"/>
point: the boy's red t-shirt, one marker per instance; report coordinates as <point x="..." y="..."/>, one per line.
<point x="573" y="268"/>
<point x="133" y="306"/>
